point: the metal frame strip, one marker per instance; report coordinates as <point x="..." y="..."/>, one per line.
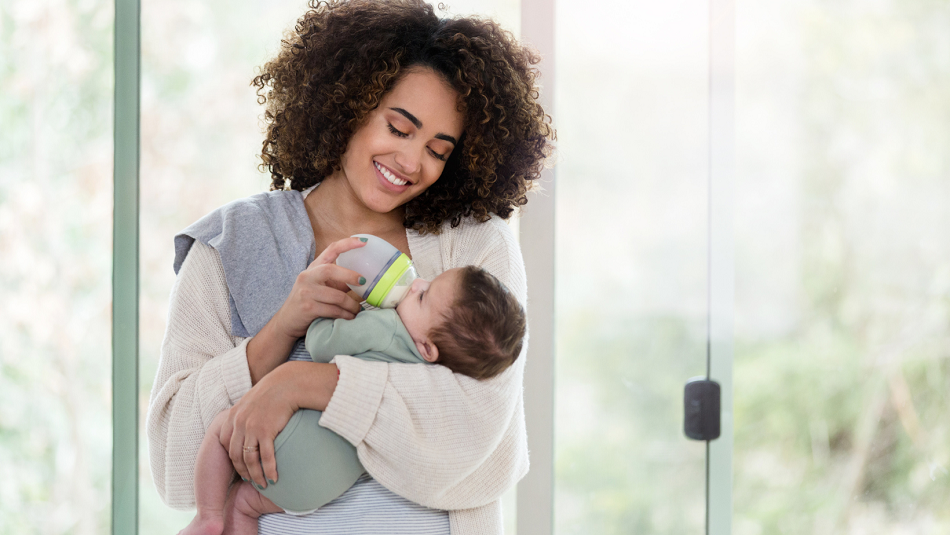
<point x="535" y="515"/>
<point x="125" y="257"/>
<point x="722" y="39"/>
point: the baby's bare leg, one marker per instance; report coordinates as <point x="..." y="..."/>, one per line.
<point x="213" y="475"/>
<point x="248" y="505"/>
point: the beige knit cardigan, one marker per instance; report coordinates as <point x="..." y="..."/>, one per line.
<point x="439" y="439"/>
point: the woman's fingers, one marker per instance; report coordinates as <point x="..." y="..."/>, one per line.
<point x="269" y="461"/>
<point x="258" y="418"/>
<point x="337" y="285"/>
<point x="227" y="429"/>
<point x="323" y="301"/>
<point x="252" y="459"/>
<point x="326" y="273"/>
<point x="236" y="451"/>
<point x="344" y="309"/>
<point x="329" y="255"/>
<point x="320" y="291"/>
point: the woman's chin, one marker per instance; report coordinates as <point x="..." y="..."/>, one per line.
<point x="384" y="205"/>
<point x="384" y="202"/>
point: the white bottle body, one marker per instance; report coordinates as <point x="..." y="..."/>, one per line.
<point x="379" y="263"/>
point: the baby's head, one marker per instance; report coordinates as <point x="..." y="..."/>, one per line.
<point x="466" y="320"/>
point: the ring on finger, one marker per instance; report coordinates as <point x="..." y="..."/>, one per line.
<point x="250" y="449"/>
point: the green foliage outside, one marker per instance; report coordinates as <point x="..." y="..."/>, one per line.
<point x="55" y="238"/>
<point x="842" y="196"/>
<point x="840" y="416"/>
<point x="623" y="465"/>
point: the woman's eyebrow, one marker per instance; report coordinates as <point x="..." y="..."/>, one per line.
<point x="446" y="137"/>
<point x="418" y="124"/>
<point x="411" y="117"/>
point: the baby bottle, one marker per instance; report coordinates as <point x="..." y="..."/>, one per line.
<point x="388" y="271"/>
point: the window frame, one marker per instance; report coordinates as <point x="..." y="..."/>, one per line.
<point x="125" y="269"/>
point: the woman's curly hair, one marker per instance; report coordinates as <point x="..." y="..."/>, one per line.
<point x="343" y="56"/>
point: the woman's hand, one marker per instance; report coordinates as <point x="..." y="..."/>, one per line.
<point x="256" y="419"/>
<point x="320" y="291"/>
<point x="252" y="425"/>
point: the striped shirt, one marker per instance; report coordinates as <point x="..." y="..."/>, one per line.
<point x="367" y="508"/>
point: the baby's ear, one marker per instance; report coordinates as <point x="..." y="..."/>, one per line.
<point x="427" y="349"/>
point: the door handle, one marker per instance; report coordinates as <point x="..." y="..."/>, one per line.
<point x="701" y="409"/>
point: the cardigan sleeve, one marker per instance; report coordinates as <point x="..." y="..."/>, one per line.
<point x="202" y="371"/>
<point x="440" y="439"/>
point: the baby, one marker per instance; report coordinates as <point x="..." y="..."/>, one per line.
<point x="465" y="320"/>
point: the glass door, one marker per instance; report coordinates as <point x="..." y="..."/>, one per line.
<point x="632" y="112"/>
<point x="200" y="142"/>
<point x="842" y="267"/>
<point x="56" y="149"/>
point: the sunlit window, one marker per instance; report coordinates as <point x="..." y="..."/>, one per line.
<point x="632" y="118"/>
<point x="55" y="266"/>
<point x="842" y="267"/>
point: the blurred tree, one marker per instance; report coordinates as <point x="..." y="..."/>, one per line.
<point x="55" y="277"/>
<point x="835" y="416"/>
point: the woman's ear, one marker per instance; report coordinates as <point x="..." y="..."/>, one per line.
<point x="427" y="349"/>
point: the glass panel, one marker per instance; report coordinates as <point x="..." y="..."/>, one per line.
<point x="632" y="118"/>
<point x="200" y="144"/>
<point x="842" y="268"/>
<point x="55" y="275"/>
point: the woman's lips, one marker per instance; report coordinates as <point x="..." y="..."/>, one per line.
<point x="389" y="179"/>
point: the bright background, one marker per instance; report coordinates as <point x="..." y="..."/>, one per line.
<point x="842" y="198"/>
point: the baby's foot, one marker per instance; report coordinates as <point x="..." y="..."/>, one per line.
<point x="205" y="524"/>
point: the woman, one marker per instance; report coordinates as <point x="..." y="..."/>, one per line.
<point x="422" y="131"/>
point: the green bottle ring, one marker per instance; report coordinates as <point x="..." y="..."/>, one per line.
<point x="388" y="280"/>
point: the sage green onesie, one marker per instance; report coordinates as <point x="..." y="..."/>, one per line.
<point x="314" y="464"/>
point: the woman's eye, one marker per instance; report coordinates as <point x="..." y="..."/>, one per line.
<point x="395" y="132"/>
<point x="440" y="157"/>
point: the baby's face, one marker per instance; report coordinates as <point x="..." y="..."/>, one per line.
<point x="427" y="303"/>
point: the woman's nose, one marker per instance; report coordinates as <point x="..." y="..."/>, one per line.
<point x="410" y="160"/>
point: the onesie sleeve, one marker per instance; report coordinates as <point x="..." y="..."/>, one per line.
<point x="440" y="439"/>
<point x="371" y="330"/>
<point x="202" y="371"/>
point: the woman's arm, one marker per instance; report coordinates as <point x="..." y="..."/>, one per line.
<point x="440" y="439"/>
<point x="202" y="371"/>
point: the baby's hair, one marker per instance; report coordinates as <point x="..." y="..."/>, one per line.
<point x="484" y="329"/>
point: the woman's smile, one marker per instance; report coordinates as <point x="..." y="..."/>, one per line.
<point x="402" y="147"/>
<point x="391" y="177"/>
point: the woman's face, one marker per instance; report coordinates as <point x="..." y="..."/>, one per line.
<point x="404" y="144"/>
